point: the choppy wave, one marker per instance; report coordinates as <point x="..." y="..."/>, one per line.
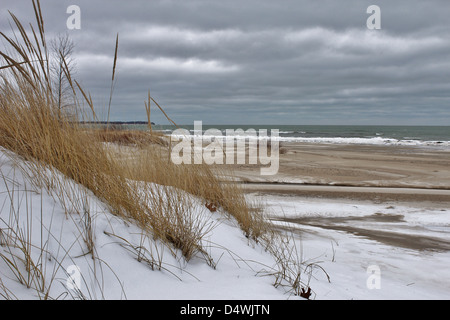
<point x="325" y="140"/>
<point x="370" y="141"/>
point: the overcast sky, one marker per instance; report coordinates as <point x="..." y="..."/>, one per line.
<point x="261" y="62"/>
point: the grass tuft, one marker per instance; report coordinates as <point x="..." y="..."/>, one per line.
<point x="129" y="171"/>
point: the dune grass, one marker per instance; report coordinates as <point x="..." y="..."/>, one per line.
<point x="33" y="127"/>
<point x="146" y="187"/>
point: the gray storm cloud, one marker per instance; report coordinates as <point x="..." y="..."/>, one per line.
<point x="239" y="62"/>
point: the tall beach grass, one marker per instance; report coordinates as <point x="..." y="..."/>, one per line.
<point x="32" y="126"/>
<point x="145" y="188"/>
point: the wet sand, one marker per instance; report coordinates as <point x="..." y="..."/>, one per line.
<point x="409" y="240"/>
<point x="390" y="175"/>
<point x="357" y="165"/>
<point x="377" y="173"/>
<point x="374" y="194"/>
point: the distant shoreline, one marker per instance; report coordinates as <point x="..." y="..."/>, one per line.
<point x="115" y="122"/>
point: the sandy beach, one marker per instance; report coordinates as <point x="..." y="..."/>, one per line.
<point x="357" y="165"/>
<point x="391" y="175"/>
<point x="354" y="206"/>
<point x="357" y="172"/>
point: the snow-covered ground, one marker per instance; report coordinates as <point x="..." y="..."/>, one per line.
<point x="408" y="261"/>
<point x="51" y="239"/>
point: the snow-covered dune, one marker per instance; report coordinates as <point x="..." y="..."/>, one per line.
<point x="121" y="262"/>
